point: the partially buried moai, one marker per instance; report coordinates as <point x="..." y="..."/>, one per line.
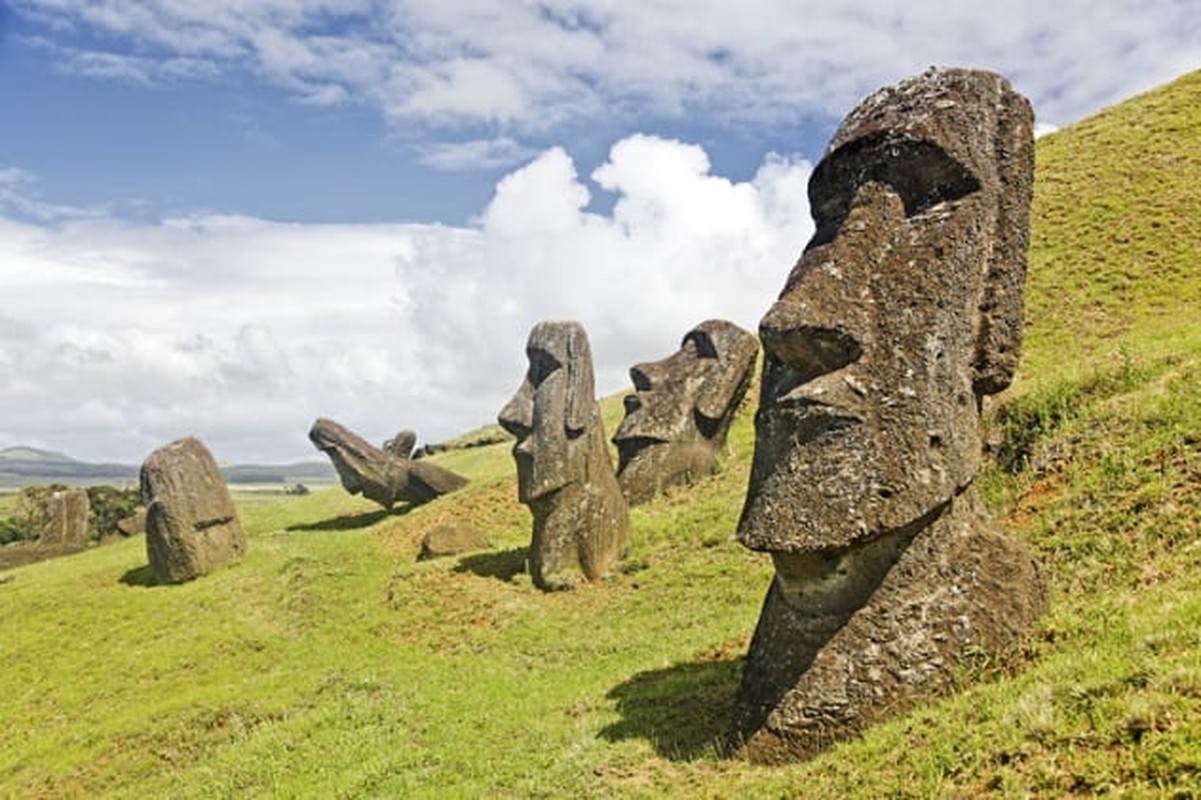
<point x="191" y="524"/>
<point x="903" y="313"/>
<point x="564" y="472"/>
<point x="680" y="412"/>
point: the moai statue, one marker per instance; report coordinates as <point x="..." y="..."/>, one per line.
<point x="386" y="476"/>
<point x="678" y="417"/>
<point x="564" y="472"/>
<point x="191" y="524"/>
<point x="903" y="312"/>
<point x="70" y="512"/>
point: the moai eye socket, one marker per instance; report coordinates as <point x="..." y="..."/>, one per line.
<point x="922" y="174"/>
<point x="542" y="366"/>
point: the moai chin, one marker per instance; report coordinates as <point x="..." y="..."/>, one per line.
<point x="680" y="412"/>
<point x="903" y="312"/>
<point x="564" y="472"/>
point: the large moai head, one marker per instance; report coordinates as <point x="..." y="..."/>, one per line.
<point x="552" y="410"/>
<point x="904" y="310"/>
<point x="564" y="472"/>
<point x="680" y="412"/>
<point x="902" y="314"/>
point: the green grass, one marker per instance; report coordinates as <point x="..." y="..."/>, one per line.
<point x="330" y="663"/>
<point x="1115" y="247"/>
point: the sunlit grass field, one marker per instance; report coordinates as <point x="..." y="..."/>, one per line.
<point x="330" y="663"/>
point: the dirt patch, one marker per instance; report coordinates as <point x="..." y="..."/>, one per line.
<point x="1044" y="492"/>
<point x="21" y="553"/>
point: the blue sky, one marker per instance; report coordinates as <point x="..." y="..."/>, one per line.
<point x="226" y="219"/>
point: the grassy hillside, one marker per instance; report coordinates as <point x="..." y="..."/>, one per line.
<point x="1115" y="252"/>
<point x="329" y="663"/>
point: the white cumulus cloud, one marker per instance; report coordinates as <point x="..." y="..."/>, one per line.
<point x="117" y="336"/>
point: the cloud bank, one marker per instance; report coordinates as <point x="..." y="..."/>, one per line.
<point x="520" y="70"/>
<point x="116" y="336"/>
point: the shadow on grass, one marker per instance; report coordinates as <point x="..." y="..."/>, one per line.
<point x="503" y="566"/>
<point x="139" y="576"/>
<point x="350" y="522"/>
<point x="683" y="710"/>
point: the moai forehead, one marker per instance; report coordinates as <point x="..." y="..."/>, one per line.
<point x="555" y="346"/>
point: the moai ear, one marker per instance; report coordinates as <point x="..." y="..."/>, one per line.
<point x="998" y="344"/>
<point x="580" y="381"/>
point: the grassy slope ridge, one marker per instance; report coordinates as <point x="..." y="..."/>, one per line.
<point x="330" y="663"/>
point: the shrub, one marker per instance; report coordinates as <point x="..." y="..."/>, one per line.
<point x="109" y="506"/>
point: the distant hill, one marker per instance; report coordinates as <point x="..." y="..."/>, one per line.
<point x="32" y="454"/>
<point x="28" y="466"/>
<point x="298" y="472"/>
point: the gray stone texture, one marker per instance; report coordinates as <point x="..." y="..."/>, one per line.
<point x="903" y="312"/>
<point x="191" y="524"/>
<point x="385" y="476"/>
<point x="564" y="471"/>
<point x="677" y="419"/>
<point x="69" y="515"/>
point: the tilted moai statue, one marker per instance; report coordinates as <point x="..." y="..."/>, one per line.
<point x="678" y="417"/>
<point x="903" y="312"/>
<point x="386" y="476"/>
<point x="564" y="472"/>
<point x="191" y="524"/>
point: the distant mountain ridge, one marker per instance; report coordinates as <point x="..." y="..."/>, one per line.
<point x="21" y="453"/>
<point x="27" y="466"/>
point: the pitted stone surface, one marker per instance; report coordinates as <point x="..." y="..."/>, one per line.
<point x="680" y="412"/>
<point x="903" y="312"/>
<point x="564" y="472"/>
<point x="191" y="524"/>
<point x="384" y="476"/>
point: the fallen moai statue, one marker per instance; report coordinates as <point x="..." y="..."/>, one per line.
<point x="902" y="314"/>
<point x="191" y="524"/>
<point x="564" y="472"/>
<point x="680" y="412"/>
<point x="386" y="476"/>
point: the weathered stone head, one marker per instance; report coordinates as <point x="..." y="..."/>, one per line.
<point x="401" y="445"/>
<point x="70" y="512"/>
<point x="681" y="409"/>
<point x="564" y="473"/>
<point x="191" y="524"/>
<point x="903" y="312"/>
